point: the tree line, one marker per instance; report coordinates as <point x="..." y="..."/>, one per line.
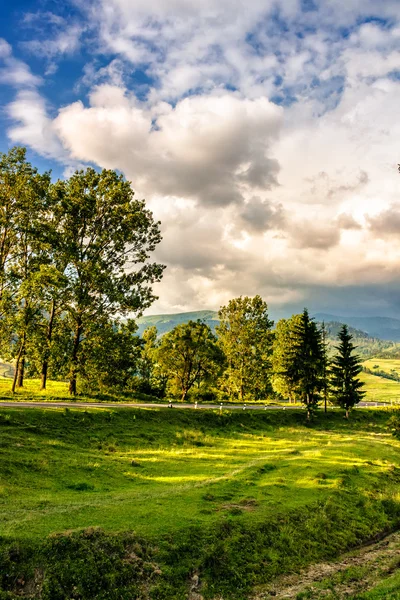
<point x="249" y="360"/>
<point x="74" y="259"/>
<point x="75" y="265"/>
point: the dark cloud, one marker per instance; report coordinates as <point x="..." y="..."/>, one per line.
<point x="346" y="221"/>
<point x="314" y="236"/>
<point x="387" y="222"/>
<point x="260" y="215"/>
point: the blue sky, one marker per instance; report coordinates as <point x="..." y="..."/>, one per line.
<point x="264" y="135"/>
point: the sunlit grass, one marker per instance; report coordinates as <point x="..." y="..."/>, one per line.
<point x="157" y="471"/>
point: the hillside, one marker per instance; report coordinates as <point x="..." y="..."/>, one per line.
<point x="165" y="323"/>
<point x="367" y="344"/>
<point x="384" y="328"/>
<point x="168" y="505"/>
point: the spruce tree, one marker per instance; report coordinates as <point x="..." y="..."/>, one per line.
<point x="305" y="368"/>
<point x="346" y="387"/>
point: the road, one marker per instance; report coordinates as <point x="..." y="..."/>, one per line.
<point x="72" y="404"/>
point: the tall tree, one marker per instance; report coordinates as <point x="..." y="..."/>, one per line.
<point x="189" y="354"/>
<point x="24" y="196"/>
<point x="305" y="364"/>
<point x="346" y="389"/>
<point x="107" y="238"/>
<point x="244" y="335"/>
<point x="325" y="365"/>
<point x="282" y="356"/>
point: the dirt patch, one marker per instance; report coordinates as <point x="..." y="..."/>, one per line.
<point x="355" y="572"/>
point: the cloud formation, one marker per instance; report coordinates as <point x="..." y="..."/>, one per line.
<point x="264" y="136"/>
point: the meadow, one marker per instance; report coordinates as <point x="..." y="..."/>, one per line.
<point x="380" y="389"/>
<point x="238" y="498"/>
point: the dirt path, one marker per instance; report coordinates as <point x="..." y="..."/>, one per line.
<point x="356" y="572"/>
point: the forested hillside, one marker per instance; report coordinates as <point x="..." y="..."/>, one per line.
<point x="367" y="345"/>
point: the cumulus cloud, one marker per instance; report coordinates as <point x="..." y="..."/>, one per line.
<point x="34" y="127"/>
<point x="263" y="138"/>
<point x="260" y="215"/>
<point x="386" y="222"/>
<point x="211" y="148"/>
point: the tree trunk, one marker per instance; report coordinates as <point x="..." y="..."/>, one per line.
<point x="21" y="370"/>
<point x="347" y="413"/>
<point x="14" y="384"/>
<point x="45" y="364"/>
<point x="184" y="395"/>
<point x="74" y="358"/>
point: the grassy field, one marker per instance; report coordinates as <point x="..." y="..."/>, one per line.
<point x="383" y="364"/>
<point x="380" y="389"/>
<point x="203" y="488"/>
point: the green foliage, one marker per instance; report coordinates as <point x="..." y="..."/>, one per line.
<point x="189" y="355"/>
<point x="346" y="387"/>
<point x="73" y="255"/>
<point x="284" y="339"/>
<point x="109" y="355"/>
<point x="301" y="359"/>
<point x="244" y="336"/>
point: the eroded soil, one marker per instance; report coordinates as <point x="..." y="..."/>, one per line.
<point x="354" y="573"/>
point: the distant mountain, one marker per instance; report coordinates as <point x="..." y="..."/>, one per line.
<point x="384" y="328"/>
<point x="165" y="323"/>
<point x="368" y="343"/>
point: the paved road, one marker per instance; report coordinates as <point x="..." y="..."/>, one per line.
<point x="72" y="404"/>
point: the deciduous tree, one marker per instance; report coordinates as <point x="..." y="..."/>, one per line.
<point x="244" y="335"/>
<point x="189" y="354"/>
<point x="107" y="238"/>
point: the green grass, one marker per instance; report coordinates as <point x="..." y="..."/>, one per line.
<point x="388" y="589"/>
<point x="383" y="364"/>
<point x="379" y="389"/>
<point x="259" y="493"/>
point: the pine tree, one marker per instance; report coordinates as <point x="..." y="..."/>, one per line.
<point x="305" y="364"/>
<point x="325" y="365"/>
<point x="346" y="387"/>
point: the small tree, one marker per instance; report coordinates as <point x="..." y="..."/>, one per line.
<point x="346" y="389"/>
<point x="189" y="354"/>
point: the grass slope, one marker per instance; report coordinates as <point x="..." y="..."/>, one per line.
<point x="380" y="389"/>
<point x="236" y="498"/>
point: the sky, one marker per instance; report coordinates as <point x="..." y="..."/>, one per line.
<point x="263" y="134"/>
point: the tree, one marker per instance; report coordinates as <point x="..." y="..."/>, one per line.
<point x="282" y="355"/>
<point x="106" y="240"/>
<point x="305" y="362"/>
<point x="346" y="366"/>
<point x="189" y="354"/>
<point x="109" y="355"/>
<point x="150" y="376"/>
<point x="24" y="196"/>
<point x="325" y="365"/>
<point x="244" y="336"/>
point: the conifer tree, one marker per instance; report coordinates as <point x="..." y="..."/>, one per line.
<point x="282" y="357"/>
<point x="325" y="365"/>
<point x="346" y="366"/>
<point x="305" y="362"/>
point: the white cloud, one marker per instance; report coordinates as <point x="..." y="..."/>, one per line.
<point x="13" y="71"/>
<point x="286" y="201"/>
<point x="211" y="148"/>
